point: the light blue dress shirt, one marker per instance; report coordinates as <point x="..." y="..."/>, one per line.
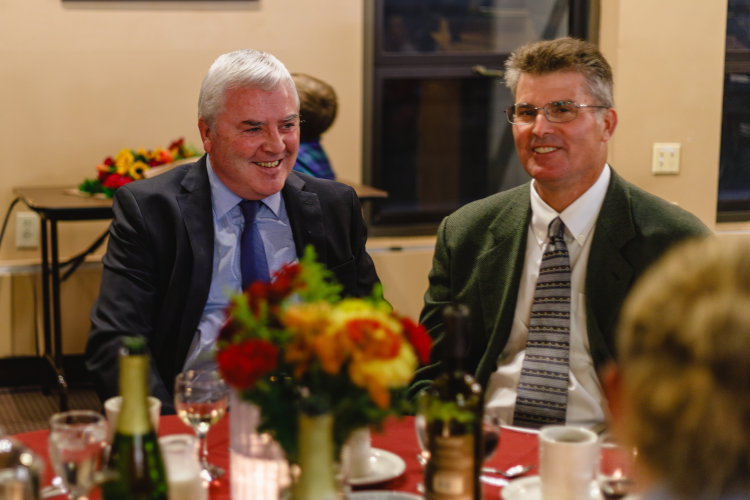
<point x="226" y="275"/>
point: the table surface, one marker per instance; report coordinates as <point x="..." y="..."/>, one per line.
<point x="398" y="436"/>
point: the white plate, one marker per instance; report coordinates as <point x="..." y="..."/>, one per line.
<point x="530" y="488"/>
<point x="382" y="495"/>
<point x="384" y="465"/>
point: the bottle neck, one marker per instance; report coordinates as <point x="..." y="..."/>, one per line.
<point x="134" y="416"/>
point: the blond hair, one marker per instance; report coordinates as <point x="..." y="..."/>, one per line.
<point x="684" y="351"/>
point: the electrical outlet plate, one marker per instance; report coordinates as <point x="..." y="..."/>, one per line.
<point x="27" y="230"/>
<point x="666" y="158"/>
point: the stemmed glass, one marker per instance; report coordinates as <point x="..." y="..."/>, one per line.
<point x="77" y="441"/>
<point x="201" y="401"/>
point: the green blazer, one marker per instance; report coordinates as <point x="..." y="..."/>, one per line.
<point x="480" y="253"/>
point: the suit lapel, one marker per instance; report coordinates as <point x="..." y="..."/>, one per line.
<point x="499" y="271"/>
<point x="305" y="217"/>
<point x="196" y="208"/>
<point x="609" y="274"/>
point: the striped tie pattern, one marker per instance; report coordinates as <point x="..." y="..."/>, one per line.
<point x="543" y="388"/>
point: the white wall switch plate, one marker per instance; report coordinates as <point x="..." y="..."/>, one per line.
<point x="27" y="230"/>
<point x="666" y="158"/>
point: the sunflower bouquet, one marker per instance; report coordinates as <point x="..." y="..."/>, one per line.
<point x="129" y="165"/>
<point x="295" y="346"/>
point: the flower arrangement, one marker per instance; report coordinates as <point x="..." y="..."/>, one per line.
<point x="293" y="346"/>
<point x="129" y="165"/>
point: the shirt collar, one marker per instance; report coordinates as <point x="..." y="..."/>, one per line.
<point x="225" y="200"/>
<point x="579" y="217"/>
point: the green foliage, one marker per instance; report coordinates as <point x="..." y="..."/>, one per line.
<point x="91" y="186"/>
<point x="320" y="283"/>
<point x="446" y="411"/>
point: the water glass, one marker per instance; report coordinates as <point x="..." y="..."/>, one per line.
<point x="77" y="441"/>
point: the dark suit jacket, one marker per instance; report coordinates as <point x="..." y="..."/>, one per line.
<point x="479" y="260"/>
<point x="157" y="269"/>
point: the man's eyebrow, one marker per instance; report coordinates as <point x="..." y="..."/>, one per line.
<point x="252" y="123"/>
<point x="291" y="117"/>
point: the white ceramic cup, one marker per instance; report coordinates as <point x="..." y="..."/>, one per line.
<point x="568" y="459"/>
<point x="112" y="410"/>
<point x="360" y="452"/>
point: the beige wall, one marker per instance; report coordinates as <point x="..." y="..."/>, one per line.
<point x="668" y="61"/>
<point x="79" y="81"/>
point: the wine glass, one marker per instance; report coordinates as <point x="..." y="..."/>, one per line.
<point x="201" y="401"/>
<point x="616" y="469"/>
<point x="77" y="441"/>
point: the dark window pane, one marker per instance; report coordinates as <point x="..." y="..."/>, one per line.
<point x="444" y="143"/>
<point x="450" y="26"/>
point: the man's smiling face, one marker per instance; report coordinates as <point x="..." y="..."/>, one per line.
<point x="253" y="141"/>
<point x="562" y="156"/>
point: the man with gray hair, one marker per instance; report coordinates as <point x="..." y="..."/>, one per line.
<point x="544" y="267"/>
<point x="182" y="241"/>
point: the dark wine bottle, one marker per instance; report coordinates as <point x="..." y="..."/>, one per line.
<point x="453" y="408"/>
<point x="135" y="459"/>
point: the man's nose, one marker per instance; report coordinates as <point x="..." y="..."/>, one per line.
<point x="541" y="125"/>
<point x="273" y="143"/>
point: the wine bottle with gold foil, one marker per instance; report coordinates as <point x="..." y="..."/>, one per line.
<point x="453" y="408"/>
<point x="135" y="458"/>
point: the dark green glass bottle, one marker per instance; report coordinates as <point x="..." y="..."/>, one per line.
<point x="453" y="408"/>
<point x="135" y="457"/>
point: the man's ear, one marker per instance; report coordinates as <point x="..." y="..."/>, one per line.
<point x="610" y="124"/>
<point x="206" y="134"/>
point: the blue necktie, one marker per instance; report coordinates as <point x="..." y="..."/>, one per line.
<point x="253" y="255"/>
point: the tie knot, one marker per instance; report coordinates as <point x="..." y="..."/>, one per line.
<point x="556" y="229"/>
<point x="249" y="209"/>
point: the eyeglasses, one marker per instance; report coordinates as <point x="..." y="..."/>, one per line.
<point x="558" y="112"/>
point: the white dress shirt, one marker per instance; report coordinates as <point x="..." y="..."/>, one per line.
<point x="586" y="402"/>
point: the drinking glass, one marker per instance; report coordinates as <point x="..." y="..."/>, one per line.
<point x="616" y="468"/>
<point x="77" y="441"/>
<point x="201" y="401"/>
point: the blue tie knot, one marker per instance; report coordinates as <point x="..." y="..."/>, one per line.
<point x="556" y="229"/>
<point x="249" y="209"/>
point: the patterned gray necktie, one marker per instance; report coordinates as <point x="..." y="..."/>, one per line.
<point x="543" y="389"/>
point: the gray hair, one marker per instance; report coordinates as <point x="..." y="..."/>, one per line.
<point x="246" y="68"/>
<point x="563" y="54"/>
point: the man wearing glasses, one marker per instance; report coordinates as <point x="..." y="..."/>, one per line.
<point x="544" y="267"/>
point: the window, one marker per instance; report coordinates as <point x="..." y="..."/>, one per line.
<point x="734" y="162"/>
<point x="436" y="135"/>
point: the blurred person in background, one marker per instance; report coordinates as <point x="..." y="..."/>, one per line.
<point x="317" y="108"/>
<point x="680" y="392"/>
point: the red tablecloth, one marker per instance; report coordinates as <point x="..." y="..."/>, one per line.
<point x="398" y="437"/>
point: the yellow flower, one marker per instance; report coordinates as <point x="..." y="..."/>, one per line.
<point x="123" y="161"/>
<point x="137" y="169"/>
<point x="380" y="375"/>
<point x="306" y="321"/>
<point x="144" y="153"/>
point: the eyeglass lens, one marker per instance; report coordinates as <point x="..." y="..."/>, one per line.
<point x="563" y="111"/>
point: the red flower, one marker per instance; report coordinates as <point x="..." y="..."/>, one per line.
<point x="114" y="181"/>
<point x="243" y="364"/>
<point x="109" y="161"/>
<point x="418" y="337"/>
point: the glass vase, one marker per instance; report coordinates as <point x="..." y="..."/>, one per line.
<point x="259" y="470"/>
<point x="321" y="475"/>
